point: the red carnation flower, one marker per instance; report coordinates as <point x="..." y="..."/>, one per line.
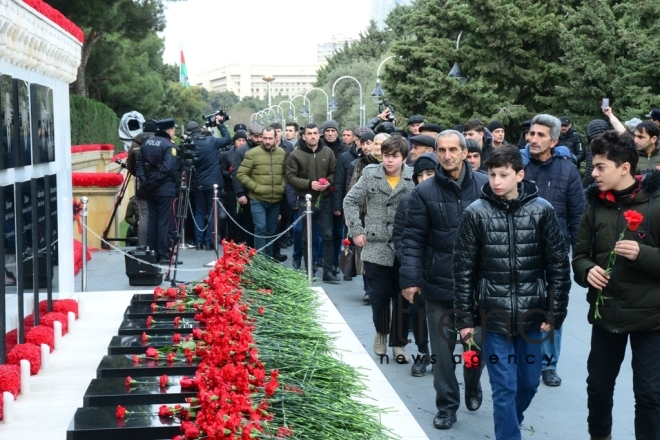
<point x="152" y="352"/>
<point x="323" y="181"/>
<point x="177" y="320"/>
<point x="164" y="381"/>
<point x="471" y="359"/>
<point x="120" y="412"/>
<point x="191" y="433"/>
<point x="633" y="218"/>
<point x="165" y="411"/>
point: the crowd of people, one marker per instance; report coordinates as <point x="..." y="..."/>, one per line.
<point x="459" y="236"/>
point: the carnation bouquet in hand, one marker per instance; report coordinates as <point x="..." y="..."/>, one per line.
<point x="633" y="220"/>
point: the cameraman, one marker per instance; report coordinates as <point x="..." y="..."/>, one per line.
<point x="148" y="129"/>
<point x="207" y="173"/>
<point x="155" y="168"/>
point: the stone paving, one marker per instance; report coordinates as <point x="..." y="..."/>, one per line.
<point x="555" y="413"/>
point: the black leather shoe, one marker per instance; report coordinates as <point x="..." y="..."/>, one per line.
<point x="347" y="278"/>
<point x="296" y="264"/>
<point x="208" y="247"/>
<point x="281" y="258"/>
<point x="550" y="378"/>
<point x="199" y="247"/>
<point x="422" y="360"/>
<point x="473" y="399"/>
<point x="444" y="420"/>
<point x="335" y="270"/>
<point x="328" y="277"/>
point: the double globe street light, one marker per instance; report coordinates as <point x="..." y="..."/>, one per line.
<point x="308" y="112"/>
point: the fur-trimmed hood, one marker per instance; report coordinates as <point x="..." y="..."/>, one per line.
<point x="649" y="184"/>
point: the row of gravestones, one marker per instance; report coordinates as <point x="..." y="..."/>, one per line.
<point x="97" y="418"/>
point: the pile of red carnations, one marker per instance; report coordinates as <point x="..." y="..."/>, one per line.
<point x="266" y="367"/>
<point x="10" y="373"/>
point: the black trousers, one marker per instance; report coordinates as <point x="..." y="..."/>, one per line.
<point x="384" y="285"/>
<point x="245" y="219"/>
<point x="605" y="358"/>
<point x="419" y="326"/>
<point x="160" y="219"/>
<point x="322" y="217"/>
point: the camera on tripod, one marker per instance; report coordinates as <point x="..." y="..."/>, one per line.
<point x="210" y="119"/>
<point x="188" y="150"/>
<point x="383" y="106"/>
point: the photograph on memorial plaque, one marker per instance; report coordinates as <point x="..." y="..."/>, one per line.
<point x="52" y="200"/>
<point x="7" y="159"/>
<point x="9" y="239"/>
<point x="22" y="124"/>
<point x="41" y="105"/>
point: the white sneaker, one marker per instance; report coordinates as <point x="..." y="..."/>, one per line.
<point x="400" y="355"/>
<point x="380" y="344"/>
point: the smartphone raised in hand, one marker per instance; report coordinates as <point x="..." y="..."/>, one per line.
<point x="605" y="104"/>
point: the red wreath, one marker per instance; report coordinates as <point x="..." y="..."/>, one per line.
<point x="41" y="335"/>
<point x="91" y="147"/>
<point x="29" y="352"/>
<point x="97" y="179"/>
<point x="10" y="381"/>
<point x="60" y="305"/>
<point x="56" y="17"/>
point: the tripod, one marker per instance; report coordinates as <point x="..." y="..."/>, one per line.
<point x="181" y="214"/>
<point x="118" y="201"/>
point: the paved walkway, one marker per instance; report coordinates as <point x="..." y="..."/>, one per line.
<point x="555" y="413"/>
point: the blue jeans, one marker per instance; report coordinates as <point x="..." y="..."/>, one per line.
<point x="204" y="217"/>
<point x="514" y="378"/>
<point x="264" y="217"/>
<point x="551" y="351"/>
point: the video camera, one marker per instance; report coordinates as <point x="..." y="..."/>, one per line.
<point x="210" y="119"/>
<point x="188" y="150"/>
<point x="383" y="106"/>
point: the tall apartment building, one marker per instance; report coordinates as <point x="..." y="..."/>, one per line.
<point x="325" y="50"/>
<point x="380" y="9"/>
<point x="247" y="79"/>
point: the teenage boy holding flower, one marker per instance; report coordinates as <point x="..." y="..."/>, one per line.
<point x="618" y="259"/>
<point x="511" y="273"/>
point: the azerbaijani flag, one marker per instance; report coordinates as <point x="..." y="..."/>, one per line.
<point x="183" y="72"/>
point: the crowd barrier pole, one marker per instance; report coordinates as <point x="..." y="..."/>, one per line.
<point x="84" y="201"/>
<point x="310" y="261"/>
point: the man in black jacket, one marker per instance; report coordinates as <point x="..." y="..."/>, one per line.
<point x="330" y="132"/>
<point x="426" y="250"/>
<point x="558" y="181"/>
<point x="206" y="174"/>
<point x="229" y="163"/>
<point x="511" y="275"/>
<point x="572" y="139"/>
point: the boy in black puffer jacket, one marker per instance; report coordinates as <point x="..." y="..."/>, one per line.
<point x="511" y="273"/>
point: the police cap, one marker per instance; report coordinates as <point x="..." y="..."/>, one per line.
<point x="166" y="124"/>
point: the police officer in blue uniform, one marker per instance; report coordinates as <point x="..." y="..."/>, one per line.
<point x="155" y="167"/>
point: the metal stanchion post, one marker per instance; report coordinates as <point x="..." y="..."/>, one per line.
<point x="215" y="219"/>
<point x="310" y="261"/>
<point x="84" y="201"/>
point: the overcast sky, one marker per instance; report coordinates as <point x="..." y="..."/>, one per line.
<point x="214" y="32"/>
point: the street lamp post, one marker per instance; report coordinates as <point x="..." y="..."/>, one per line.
<point x="334" y="105"/>
<point x="378" y="94"/>
<point x="455" y="71"/>
<point x="328" y="113"/>
<point x="268" y="115"/>
<point x="292" y="111"/>
<point x="303" y="111"/>
<point x="268" y="79"/>
<point x="281" y="112"/>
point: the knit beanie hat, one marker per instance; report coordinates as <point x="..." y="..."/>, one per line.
<point x="329" y="124"/>
<point x="239" y="135"/>
<point x="472" y="146"/>
<point x="494" y="125"/>
<point x="427" y="161"/>
<point x="596" y="128"/>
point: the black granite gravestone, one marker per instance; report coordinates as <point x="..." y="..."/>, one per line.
<point x="148" y="298"/>
<point x="143" y="311"/>
<point x="101" y="423"/>
<point x="123" y="365"/>
<point x="132" y="344"/>
<point x="113" y="391"/>
<point x="160" y="326"/>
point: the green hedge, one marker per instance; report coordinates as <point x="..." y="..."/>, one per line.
<point x="93" y="122"/>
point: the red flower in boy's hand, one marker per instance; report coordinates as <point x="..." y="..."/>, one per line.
<point x="323" y="181"/>
<point x="634" y="219"/>
<point x="471" y="359"/>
